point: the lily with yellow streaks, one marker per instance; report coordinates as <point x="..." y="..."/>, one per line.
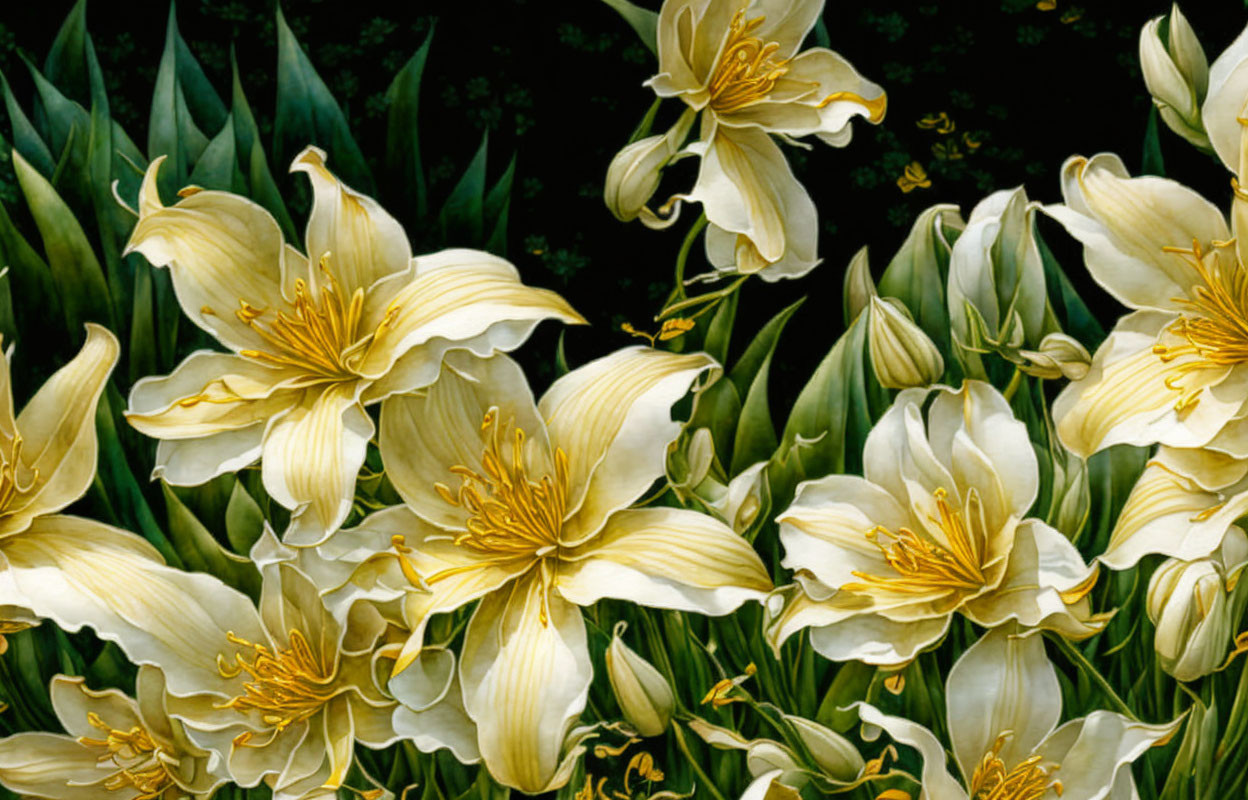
<point x="1003" y="705"/>
<point x="525" y="506"/>
<point x="313" y="338"/>
<point x="937" y="526"/>
<point x="116" y="747"/>
<point x="737" y="63"/>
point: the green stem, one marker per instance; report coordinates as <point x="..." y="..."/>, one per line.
<point x="1079" y="660"/>
<point x="693" y="762"/>
<point x="676" y="308"/>
<point x="683" y="256"/>
<point x="1015" y="381"/>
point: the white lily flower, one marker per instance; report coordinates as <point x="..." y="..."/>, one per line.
<point x="312" y="339"/>
<point x="115" y="747"/>
<point x="1003" y="705"/>
<point x="739" y="64"/>
<point x="1177" y="75"/>
<point x="1174" y="370"/>
<point x="1225" y="101"/>
<point x="525" y="506"/>
<point x="936" y="526"/>
<point x="281" y="693"/>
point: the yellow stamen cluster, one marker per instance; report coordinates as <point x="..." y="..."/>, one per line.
<point x="1215" y="329"/>
<point x="321" y="336"/>
<point x="10" y="484"/>
<point x="923" y="565"/>
<point x="511" y="515"/>
<point x="140" y="762"/>
<point x="1028" y="780"/>
<point x="287" y="685"/>
<point x="746" y="72"/>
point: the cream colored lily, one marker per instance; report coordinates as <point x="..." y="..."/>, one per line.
<point x="1177" y="75"/>
<point x="737" y="62"/>
<point x="526" y="506"/>
<point x="281" y="693"/>
<point x="116" y="748"/>
<point x="1174" y="370"/>
<point x="1003" y="705"/>
<point x="313" y="339"/>
<point x="937" y="526"/>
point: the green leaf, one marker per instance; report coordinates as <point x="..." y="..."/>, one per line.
<point x="462" y="215"/>
<point x="760" y="349"/>
<point x="1072" y="313"/>
<point x="217" y="167"/>
<point x="308" y="114"/>
<point x="200" y="552"/>
<point x="25" y="138"/>
<point x="755" y="436"/>
<point x="644" y="21"/>
<point x="719" y="331"/>
<point x="497" y="206"/>
<point x="403" y="165"/>
<point x="65" y="65"/>
<point x="143" y="340"/>
<point x="66" y="126"/>
<point x="1152" y="162"/>
<point x="252" y="159"/>
<point x="31" y="280"/>
<point x="561" y="357"/>
<point x="244" y="521"/>
<point x="171" y="131"/>
<point x="205" y="105"/>
<point x="918" y="272"/>
<point x="74" y="267"/>
<point x="717" y="408"/>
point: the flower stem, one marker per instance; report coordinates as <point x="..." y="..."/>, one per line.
<point x="1079" y="660"/>
<point x="678" y="291"/>
<point x="675" y="308"/>
<point x="693" y="762"/>
<point x="1015" y="380"/>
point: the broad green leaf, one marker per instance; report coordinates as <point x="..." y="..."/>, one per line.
<point x="65" y="65"/>
<point x="462" y="215"/>
<point x="31" y="281"/>
<point x="403" y="165"/>
<point x="171" y="131"/>
<point x="719" y="330"/>
<point x="205" y="104"/>
<point x="26" y="139"/>
<point x="760" y="349"/>
<point x="495" y="213"/>
<point x="66" y="127"/>
<point x="308" y="114"/>
<point x="143" y="359"/>
<point x="200" y="552"/>
<point x="644" y="21"/>
<point x="252" y="160"/>
<point x="217" y="168"/>
<point x="74" y="267"/>
<point x="1152" y="163"/>
<point x="244" y="521"/>
<point x="755" y="438"/>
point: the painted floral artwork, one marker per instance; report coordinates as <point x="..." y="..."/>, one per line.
<point x="324" y="473"/>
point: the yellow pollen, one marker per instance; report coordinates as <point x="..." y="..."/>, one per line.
<point x="140" y="762"/>
<point x="287" y="685"/>
<point x="746" y="72"/>
<point x="511" y="515"/>
<point x="1215" y="327"/>
<point x="321" y="336"/>
<point x="920" y="563"/>
<point x="1028" y="780"/>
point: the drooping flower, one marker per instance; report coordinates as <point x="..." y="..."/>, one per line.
<point x="312" y="338"/>
<point x="1003" y="705"/>
<point x="525" y="506"/>
<point x="937" y="526"/>
<point x="738" y="63"/>
<point x="115" y="747"/>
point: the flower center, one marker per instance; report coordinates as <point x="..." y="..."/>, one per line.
<point x="11" y="484"/>
<point x="140" y="762"/>
<point x="1215" y="330"/>
<point x="1028" y="780"/>
<point x="746" y="72"/>
<point x="920" y="563"/>
<point x="511" y="515"/>
<point x="287" y="685"/>
<point x="321" y="334"/>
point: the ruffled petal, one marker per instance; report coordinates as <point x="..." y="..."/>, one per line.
<point x="874" y="639"/>
<point x="936" y="782"/>
<point x="1094" y="751"/>
<point x="664" y="558"/>
<point x="52" y="766"/>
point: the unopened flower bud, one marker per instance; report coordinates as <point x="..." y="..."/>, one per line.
<point x="744" y="498"/>
<point x="643" y="694"/>
<point x="836" y="756"/>
<point x="902" y="355"/>
<point x="1187" y="602"/>
<point x="634" y="174"/>
<point x="1176" y="72"/>
<point x="1059" y="356"/>
<point x="859" y="288"/>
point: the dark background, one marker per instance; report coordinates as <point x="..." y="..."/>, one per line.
<point x="559" y="84"/>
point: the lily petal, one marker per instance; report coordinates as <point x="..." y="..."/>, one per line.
<point x="526" y="671"/>
<point x="52" y="766"/>
<point x="1095" y="750"/>
<point x="665" y="558"/>
<point x="612" y="418"/>
<point x="936" y="782"/>
<point x="874" y="639"/>
<point x="362" y="241"/>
